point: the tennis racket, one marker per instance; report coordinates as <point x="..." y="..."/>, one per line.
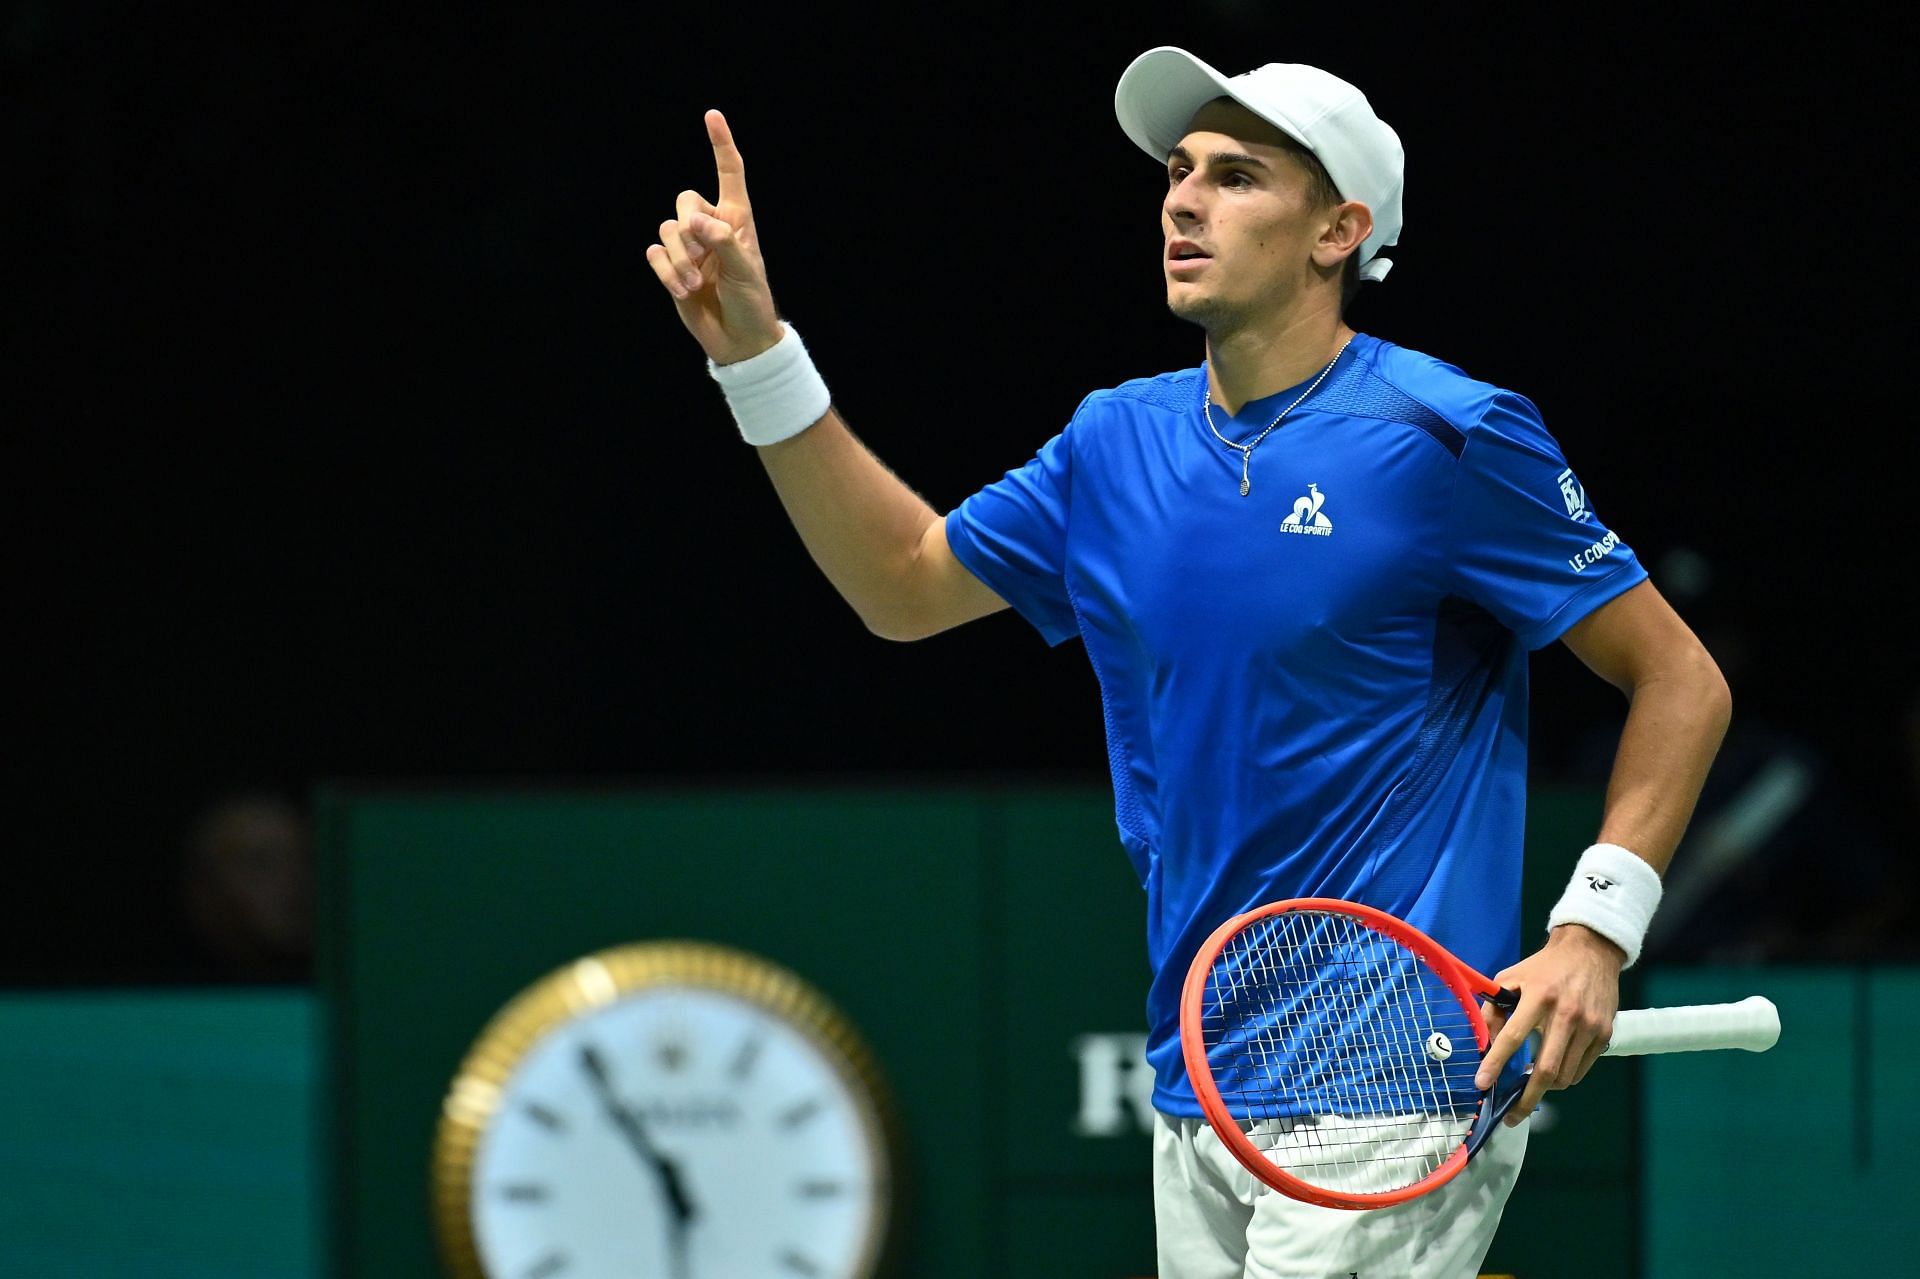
<point x="1333" y="1048"/>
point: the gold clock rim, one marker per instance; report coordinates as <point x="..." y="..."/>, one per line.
<point x="606" y="976"/>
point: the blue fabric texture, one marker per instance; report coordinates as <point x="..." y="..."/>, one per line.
<point x="1319" y="688"/>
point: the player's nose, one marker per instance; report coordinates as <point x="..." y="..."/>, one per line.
<point x="1183" y="199"/>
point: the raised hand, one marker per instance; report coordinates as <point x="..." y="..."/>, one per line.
<point x="708" y="259"/>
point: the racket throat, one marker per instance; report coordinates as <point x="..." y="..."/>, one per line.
<point x="1505" y="1091"/>
<point x="1500" y="1099"/>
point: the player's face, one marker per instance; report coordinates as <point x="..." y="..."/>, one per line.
<point x="1238" y="226"/>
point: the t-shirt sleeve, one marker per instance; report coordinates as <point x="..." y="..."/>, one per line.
<point x="1525" y="543"/>
<point x="1012" y="535"/>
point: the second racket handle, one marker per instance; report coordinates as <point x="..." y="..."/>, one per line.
<point x="1753" y="1024"/>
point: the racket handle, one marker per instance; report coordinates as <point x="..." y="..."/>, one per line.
<point x="1752" y="1024"/>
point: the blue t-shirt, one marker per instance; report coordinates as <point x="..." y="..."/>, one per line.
<point x="1317" y="689"/>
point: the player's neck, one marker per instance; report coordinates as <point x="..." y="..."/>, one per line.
<point x="1258" y="360"/>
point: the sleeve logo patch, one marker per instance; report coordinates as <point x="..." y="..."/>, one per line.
<point x="1574" y="495"/>
<point x="1595" y="553"/>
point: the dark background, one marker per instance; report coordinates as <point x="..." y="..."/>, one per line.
<point x="350" y="436"/>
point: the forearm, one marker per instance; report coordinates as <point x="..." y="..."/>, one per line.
<point x="1676" y="719"/>
<point x="1678" y="710"/>
<point x="861" y="523"/>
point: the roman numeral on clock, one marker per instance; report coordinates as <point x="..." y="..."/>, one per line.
<point x="545" y="1116"/>
<point x="743" y="1061"/>
<point x="798" y="1113"/>
<point x="820" y="1188"/>
<point x="551" y="1264"/>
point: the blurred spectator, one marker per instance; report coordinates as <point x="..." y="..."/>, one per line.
<point x="246" y="891"/>
<point x="1782" y="862"/>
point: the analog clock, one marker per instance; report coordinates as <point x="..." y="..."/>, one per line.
<point x="675" y="1110"/>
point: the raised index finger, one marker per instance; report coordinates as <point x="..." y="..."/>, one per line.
<point x="727" y="161"/>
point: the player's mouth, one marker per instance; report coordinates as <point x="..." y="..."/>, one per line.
<point x="1185" y="257"/>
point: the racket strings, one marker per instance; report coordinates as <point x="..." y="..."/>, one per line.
<point x="1347" y="1059"/>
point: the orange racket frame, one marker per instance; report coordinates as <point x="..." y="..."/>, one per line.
<point x="1469" y="986"/>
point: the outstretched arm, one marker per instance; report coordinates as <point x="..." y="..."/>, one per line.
<point x="877" y="540"/>
<point x="1678" y="710"/>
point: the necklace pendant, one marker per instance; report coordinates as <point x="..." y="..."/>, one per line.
<point x="1246" y="486"/>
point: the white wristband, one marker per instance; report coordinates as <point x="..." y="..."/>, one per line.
<point x="1612" y="892"/>
<point x="776" y="394"/>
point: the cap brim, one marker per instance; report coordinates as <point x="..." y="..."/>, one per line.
<point x="1159" y="92"/>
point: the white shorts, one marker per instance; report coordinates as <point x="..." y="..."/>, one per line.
<point x="1214" y="1221"/>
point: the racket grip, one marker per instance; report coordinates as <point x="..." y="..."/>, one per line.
<point x="1753" y="1024"/>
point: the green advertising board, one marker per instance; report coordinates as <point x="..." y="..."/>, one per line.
<point x="166" y="1134"/>
<point x="987" y="943"/>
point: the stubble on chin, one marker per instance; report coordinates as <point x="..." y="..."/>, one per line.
<point x="1206" y="312"/>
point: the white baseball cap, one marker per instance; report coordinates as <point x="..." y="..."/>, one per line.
<point x="1159" y="93"/>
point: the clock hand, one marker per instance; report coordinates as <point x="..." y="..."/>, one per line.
<point x="629" y="1125"/>
<point x="680" y="1270"/>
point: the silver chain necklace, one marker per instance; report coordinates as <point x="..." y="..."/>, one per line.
<point x="1246" y="450"/>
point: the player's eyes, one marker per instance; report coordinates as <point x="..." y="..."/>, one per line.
<point x="1235" y="178"/>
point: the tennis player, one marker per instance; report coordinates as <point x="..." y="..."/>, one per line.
<point x="1308" y="573"/>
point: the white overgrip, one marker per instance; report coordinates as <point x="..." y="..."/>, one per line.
<point x="1753" y="1024"/>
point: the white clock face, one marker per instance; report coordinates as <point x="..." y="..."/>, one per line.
<point x="681" y="1133"/>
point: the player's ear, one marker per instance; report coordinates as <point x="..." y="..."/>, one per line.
<point x="1348" y="225"/>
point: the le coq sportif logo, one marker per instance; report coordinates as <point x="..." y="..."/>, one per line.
<point x="1307" y="516"/>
